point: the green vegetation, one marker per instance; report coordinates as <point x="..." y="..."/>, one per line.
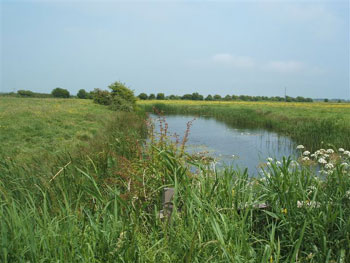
<point x="121" y="98"/>
<point x="98" y="200"/>
<point x="217" y="97"/>
<point x="60" y="93"/>
<point x="315" y="125"/>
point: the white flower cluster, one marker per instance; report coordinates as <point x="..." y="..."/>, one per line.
<point x="328" y="159"/>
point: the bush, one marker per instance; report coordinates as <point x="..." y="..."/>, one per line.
<point x="101" y="96"/>
<point x="122" y="98"/>
<point x="25" y="93"/>
<point x="82" y="94"/>
<point x="60" y="93"/>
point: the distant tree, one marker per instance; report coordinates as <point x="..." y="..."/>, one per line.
<point x="325" y="100"/>
<point x="172" y="97"/>
<point x="227" y="98"/>
<point x="309" y="100"/>
<point x="160" y="96"/>
<point x="187" y="97"/>
<point x="60" y="93"/>
<point x="209" y="98"/>
<point x="197" y="96"/>
<point x="82" y="94"/>
<point x="143" y="96"/>
<point x="217" y="97"/>
<point x="151" y="96"/>
<point x="234" y="97"/>
<point x="25" y="93"/>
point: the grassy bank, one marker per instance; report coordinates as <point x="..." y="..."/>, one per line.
<point x="99" y="202"/>
<point x="312" y="124"/>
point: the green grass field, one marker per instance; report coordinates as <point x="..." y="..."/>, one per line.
<point x="79" y="184"/>
<point x="316" y="125"/>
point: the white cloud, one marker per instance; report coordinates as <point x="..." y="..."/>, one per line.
<point x="234" y="61"/>
<point x="284" y="66"/>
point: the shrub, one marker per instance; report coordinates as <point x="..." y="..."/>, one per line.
<point x="60" y="93"/>
<point x="82" y="94"/>
<point x="25" y="93"/>
<point x="101" y="96"/>
<point x="122" y="98"/>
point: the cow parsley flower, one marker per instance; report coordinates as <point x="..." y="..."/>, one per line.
<point x="300" y="147"/>
<point x="269" y="159"/>
<point x="329" y="166"/>
<point x="322" y="161"/>
<point x="306" y="153"/>
<point x="330" y="151"/>
<point x="341" y="150"/>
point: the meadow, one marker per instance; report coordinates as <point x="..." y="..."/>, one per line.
<point x="79" y="183"/>
<point x="316" y="125"/>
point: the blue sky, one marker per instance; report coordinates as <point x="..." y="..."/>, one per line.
<point x="178" y="47"/>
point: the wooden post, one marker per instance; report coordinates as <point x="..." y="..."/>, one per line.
<point x="167" y="202"/>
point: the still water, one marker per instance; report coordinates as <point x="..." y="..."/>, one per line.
<point x="245" y="148"/>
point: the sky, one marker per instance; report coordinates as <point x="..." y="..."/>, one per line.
<point x="246" y="47"/>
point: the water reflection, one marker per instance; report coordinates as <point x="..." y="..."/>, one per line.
<point x="250" y="147"/>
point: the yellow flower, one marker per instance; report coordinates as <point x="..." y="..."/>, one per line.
<point x="271" y="259"/>
<point x="284" y="211"/>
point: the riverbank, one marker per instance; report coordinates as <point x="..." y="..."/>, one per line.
<point x="316" y="125"/>
<point x="100" y="201"/>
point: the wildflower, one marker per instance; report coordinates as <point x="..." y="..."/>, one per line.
<point x="300" y="147"/>
<point x="325" y="155"/>
<point x="306" y="153"/>
<point x="341" y="150"/>
<point x="233" y="192"/>
<point x="312" y="155"/>
<point x="329" y="166"/>
<point x="271" y="259"/>
<point x="284" y="211"/>
<point x="322" y="161"/>
<point x="269" y="159"/>
<point x="278" y="163"/>
<point x="268" y="164"/>
<point x="347" y="194"/>
<point x="306" y="158"/>
<point x="330" y="151"/>
<point x="345" y="165"/>
<point x="346" y="152"/>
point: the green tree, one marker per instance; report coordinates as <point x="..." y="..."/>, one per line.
<point x="143" y="96"/>
<point x="60" y="93"/>
<point x="217" y="97"/>
<point x="82" y="94"/>
<point x="197" y="96"/>
<point x="228" y="97"/>
<point x="122" y="98"/>
<point x="160" y="96"/>
<point x="209" y="98"/>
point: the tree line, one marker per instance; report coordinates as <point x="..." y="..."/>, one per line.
<point x="101" y="96"/>
<point x="217" y="97"/>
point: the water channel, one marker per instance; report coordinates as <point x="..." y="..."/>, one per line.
<point x="243" y="148"/>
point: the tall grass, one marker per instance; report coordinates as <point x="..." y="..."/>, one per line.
<point x="101" y="204"/>
<point x="313" y="126"/>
